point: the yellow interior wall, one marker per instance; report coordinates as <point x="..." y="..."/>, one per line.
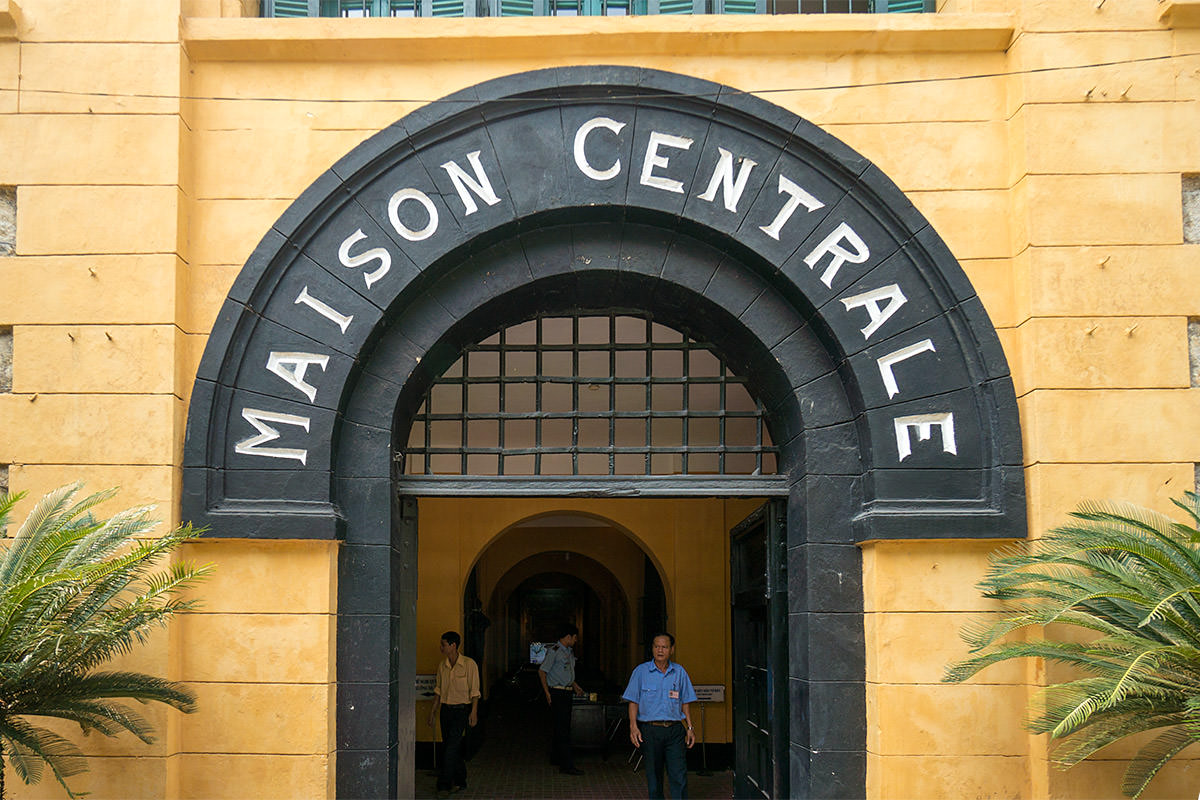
<point x="147" y="167"/>
<point x="687" y="538"/>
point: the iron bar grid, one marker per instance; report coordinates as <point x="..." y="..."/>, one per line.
<point x="612" y="394"/>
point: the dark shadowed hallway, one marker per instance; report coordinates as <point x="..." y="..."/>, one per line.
<point x="512" y="759"/>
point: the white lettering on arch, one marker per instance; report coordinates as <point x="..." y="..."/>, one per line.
<point x="324" y="309"/>
<point x="477" y="184"/>
<point x="653" y="159"/>
<point x="891" y="359"/>
<point x="379" y="254"/>
<point x="870" y="301"/>
<point x="832" y="246"/>
<point x="722" y="178"/>
<point x="581" y="159"/>
<point x="394" y="214"/>
<point x="292" y="366"/>
<point x="924" y="424"/>
<point x="797" y="197"/>
<point x="266" y="433"/>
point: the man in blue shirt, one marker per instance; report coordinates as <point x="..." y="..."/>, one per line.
<point x="659" y="692"/>
<point x="557" y="674"/>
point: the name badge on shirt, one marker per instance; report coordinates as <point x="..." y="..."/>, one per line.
<point x="674" y="694"/>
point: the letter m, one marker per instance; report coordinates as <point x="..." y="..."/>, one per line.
<point x="252" y="446"/>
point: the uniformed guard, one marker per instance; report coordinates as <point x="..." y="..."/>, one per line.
<point x="557" y="674"/>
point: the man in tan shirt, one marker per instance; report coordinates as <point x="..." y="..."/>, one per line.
<point x="456" y="694"/>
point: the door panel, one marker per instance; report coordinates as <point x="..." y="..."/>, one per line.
<point x="759" y="591"/>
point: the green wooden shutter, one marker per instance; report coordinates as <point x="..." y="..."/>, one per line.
<point x="446" y="8"/>
<point x="516" y="8"/>
<point x="739" y="6"/>
<point x="906" y="6"/>
<point x="675" y="6"/>
<point x="288" y="8"/>
<point x="401" y="8"/>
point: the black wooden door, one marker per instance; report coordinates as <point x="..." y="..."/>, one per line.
<point x="759" y="591"/>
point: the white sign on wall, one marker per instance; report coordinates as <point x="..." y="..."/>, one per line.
<point x="710" y="693"/>
<point x="425" y="684"/>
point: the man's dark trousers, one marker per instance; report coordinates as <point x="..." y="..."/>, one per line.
<point x="665" y="747"/>
<point x="562" y="701"/>
<point x="454" y="728"/>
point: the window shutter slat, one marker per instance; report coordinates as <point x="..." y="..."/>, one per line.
<point x="516" y="8"/>
<point x="289" y="8"/>
<point x="905" y="6"/>
<point x="446" y="8"/>
<point x="740" y="6"/>
<point x="675" y="6"/>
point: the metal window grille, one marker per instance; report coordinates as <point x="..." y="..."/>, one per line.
<point x="615" y="394"/>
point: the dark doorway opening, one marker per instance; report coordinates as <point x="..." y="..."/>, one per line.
<point x="519" y="590"/>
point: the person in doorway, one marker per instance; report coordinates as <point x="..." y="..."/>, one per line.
<point x="660" y="723"/>
<point x="557" y="674"/>
<point x="456" y="695"/>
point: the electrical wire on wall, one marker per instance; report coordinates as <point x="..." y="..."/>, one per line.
<point x="639" y="96"/>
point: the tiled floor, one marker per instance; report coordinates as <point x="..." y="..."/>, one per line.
<point x="513" y="762"/>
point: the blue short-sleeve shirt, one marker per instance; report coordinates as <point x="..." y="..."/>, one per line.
<point x="659" y="695"/>
<point x="559" y="665"/>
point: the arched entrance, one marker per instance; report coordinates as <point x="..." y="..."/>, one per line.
<point x="557" y="568"/>
<point x="597" y="189"/>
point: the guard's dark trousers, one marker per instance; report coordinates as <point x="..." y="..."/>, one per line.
<point x="561" y="703"/>
<point x="665" y="747"/>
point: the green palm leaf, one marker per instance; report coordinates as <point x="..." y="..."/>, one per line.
<point x="28" y="748"/>
<point x="76" y="590"/>
<point x="1130" y="577"/>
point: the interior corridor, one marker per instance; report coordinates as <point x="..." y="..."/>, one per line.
<point x="511" y="759"/>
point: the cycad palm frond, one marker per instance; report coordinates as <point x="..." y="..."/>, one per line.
<point x="75" y="591"/>
<point x="1130" y="577"/>
<point x="28" y="748"/>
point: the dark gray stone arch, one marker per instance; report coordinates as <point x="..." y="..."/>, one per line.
<point x="347" y="298"/>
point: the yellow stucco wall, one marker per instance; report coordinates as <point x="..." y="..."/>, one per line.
<point x="151" y="146"/>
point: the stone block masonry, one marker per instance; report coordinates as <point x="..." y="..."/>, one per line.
<point x="1191" y="209"/>
<point x="6" y="359"/>
<point x="8" y="221"/>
